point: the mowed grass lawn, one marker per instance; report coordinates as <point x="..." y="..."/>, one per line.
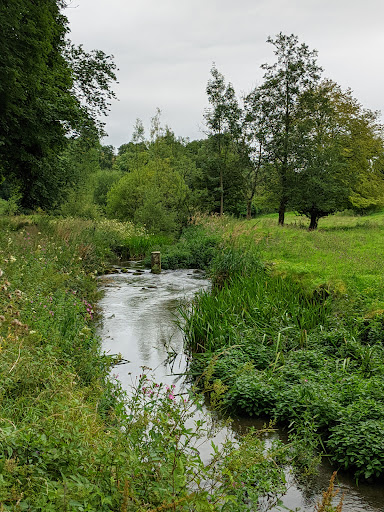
<point x="345" y="254"/>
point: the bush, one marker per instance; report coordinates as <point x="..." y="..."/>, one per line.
<point x="194" y="249"/>
<point x="358" y="446"/>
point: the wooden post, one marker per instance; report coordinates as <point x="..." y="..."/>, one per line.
<point x="156" y="262"/>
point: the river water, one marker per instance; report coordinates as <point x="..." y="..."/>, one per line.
<point x="139" y="312"/>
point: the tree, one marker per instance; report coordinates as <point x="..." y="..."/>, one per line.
<point x="106" y="156"/>
<point x="222" y="120"/>
<point x="285" y="81"/>
<point x="339" y="145"/>
<point x="154" y="195"/>
<point x="254" y="129"/>
<point x="48" y="93"/>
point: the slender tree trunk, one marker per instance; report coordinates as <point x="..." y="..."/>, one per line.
<point x="284" y="168"/>
<point x="249" y="209"/>
<point x="314" y="221"/>
<point x="282" y="208"/>
<point x="221" y="192"/>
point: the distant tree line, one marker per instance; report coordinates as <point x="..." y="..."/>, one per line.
<point x="295" y="142"/>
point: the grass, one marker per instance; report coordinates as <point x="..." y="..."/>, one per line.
<point x="294" y="329"/>
<point x="346" y="254"/>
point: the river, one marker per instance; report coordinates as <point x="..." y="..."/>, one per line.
<point x="138" y="310"/>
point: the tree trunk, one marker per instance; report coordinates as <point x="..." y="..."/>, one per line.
<point x="249" y="210"/>
<point x="282" y="208"/>
<point x="314" y="222"/>
<point x="221" y="192"/>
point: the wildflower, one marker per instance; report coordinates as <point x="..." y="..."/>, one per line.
<point x="1" y="272"/>
<point x="171" y="396"/>
<point x="12" y="259"/>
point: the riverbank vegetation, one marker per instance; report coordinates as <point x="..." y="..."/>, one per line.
<point x="293" y="330"/>
<point x="70" y="439"/>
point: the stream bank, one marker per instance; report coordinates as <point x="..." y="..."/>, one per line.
<point x="139" y="311"/>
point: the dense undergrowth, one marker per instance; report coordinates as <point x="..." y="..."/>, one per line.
<point x="70" y="439"/>
<point x="293" y="330"/>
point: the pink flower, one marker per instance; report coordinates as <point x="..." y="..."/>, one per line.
<point x="171" y="396"/>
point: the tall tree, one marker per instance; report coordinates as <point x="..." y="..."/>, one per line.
<point x="45" y="95"/>
<point x="222" y="119"/>
<point x="339" y="145"/>
<point x="294" y="71"/>
<point x="254" y="143"/>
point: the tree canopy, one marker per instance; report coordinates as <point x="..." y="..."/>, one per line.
<point x="49" y="91"/>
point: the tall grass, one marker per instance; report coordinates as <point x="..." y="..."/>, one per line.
<point x="345" y="255"/>
<point x="246" y="295"/>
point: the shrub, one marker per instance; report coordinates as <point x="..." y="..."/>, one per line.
<point x="358" y="446"/>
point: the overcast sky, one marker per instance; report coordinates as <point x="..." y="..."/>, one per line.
<point x="164" y="50"/>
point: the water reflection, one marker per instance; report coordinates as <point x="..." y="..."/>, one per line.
<point x="139" y="311"/>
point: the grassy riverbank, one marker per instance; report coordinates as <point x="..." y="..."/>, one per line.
<point x="294" y="330"/>
<point x="69" y="439"/>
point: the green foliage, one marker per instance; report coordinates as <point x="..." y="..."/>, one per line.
<point x="194" y="249"/>
<point x="11" y="205"/>
<point x="103" y="181"/>
<point x="153" y="196"/>
<point x="49" y="91"/>
<point x="358" y="445"/>
<point x="69" y="438"/>
<point x="276" y="100"/>
<point x="222" y="119"/>
<point x="340" y="142"/>
<point x="290" y="349"/>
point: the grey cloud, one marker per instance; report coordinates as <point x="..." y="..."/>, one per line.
<point x="165" y="49"/>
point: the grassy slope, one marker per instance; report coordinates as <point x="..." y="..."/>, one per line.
<point x="346" y="253"/>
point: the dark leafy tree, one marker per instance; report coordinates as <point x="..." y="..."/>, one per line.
<point x="294" y="71"/>
<point x="253" y="145"/>
<point x="339" y="145"/>
<point x="45" y="97"/>
<point x="223" y="123"/>
<point x="92" y="75"/>
<point x="106" y="156"/>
